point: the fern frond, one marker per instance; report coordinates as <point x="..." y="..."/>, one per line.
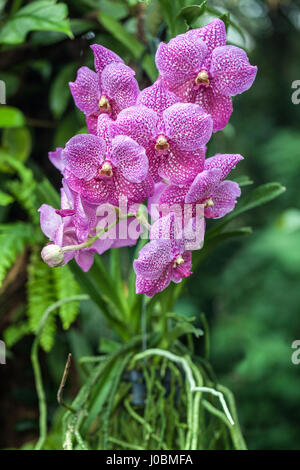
<point x="23" y="189"/>
<point x="66" y="286"/>
<point x="14" y="333"/>
<point x="13" y="240"/>
<point x="40" y="294"/>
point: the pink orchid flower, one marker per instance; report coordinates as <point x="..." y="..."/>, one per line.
<point x="108" y="90"/>
<point x="200" y="68"/>
<point x="174" y="139"/>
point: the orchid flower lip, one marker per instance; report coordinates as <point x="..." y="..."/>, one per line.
<point x="162" y="145"/>
<point x="202" y="78"/>
<point x="179" y="265"/>
<point x="65" y="212"/>
<point x="178" y="261"/>
<point x="209" y="203"/>
<point x="104" y="104"/>
<point x="106" y="170"/>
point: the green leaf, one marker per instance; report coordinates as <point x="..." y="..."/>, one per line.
<point x="226" y="19"/>
<point x="180" y="330"/>
<point x="42" y="15"/>
<point x="16" y="142"/>
<point x="5" y="199"/>
<point x="218" y="237"/>
<point x="135" y="47"/>
<point x="100" y="393"/>
<point x="117" y="10"/>
<point x="108" y="345"/>
<point x="81" y="26"/>
<point x="191" y="13"/>
<point x="11" y="117"/>
<point x="260" y="195"/>
<point x="169" y="12"/>
<point x="243" y="180"/>
<point x="59" y="93"/>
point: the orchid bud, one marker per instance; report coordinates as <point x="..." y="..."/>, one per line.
<point x="53" y="255"/>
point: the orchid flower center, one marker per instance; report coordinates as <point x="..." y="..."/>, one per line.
<point x="104" y="104"/>
<point x="178" y="261"/>
<point x="106" y="170"/>
<point x="162" y="144"/>
<point x="208" y="203"/>
<point x="179" y="265"/>
<point x="202" y="78"/>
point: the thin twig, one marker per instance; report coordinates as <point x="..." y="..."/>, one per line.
<point x="60" y="399"/>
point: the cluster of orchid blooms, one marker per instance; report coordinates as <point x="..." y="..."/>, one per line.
<point x="148" y="145"/>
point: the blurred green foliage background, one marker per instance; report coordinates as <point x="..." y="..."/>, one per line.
<point x="249" y="289"/>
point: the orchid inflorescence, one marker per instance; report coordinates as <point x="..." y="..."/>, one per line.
<point x="148" y="145"/>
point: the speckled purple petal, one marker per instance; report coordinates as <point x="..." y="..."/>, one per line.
<point x="95" y="190"/>
<point x="91" y="123"/>
<point x="153" y="259"/>
<point x="203" y="186"/>
<point x="137" y="122"/>
<point x="157" y="97"/>
<point x="225" y="162"/>
<point x="153" y="201"/>
<point x="213" y="35"/>
<point x="83" y="154"/>
<point x="104" y="57"/>
<point x="104" y="126"/>
<point x="166" y="228"/>
<point x="180" y="167"/>
<point x="173" y="195"/>
<point x="224" y="199"/>
<point x="132" y="237"/>
<point x="119" y="85"/>
<point x="216" y="104"/>
<point x="130" y="158"/>
<point x="152" y="287"/>
<point x="180" y="59"/>
<point x="187" y="125"/>
<point x="231" y="70"/>
<point x="134" y="192"/>
<point x="85" y="90"/>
